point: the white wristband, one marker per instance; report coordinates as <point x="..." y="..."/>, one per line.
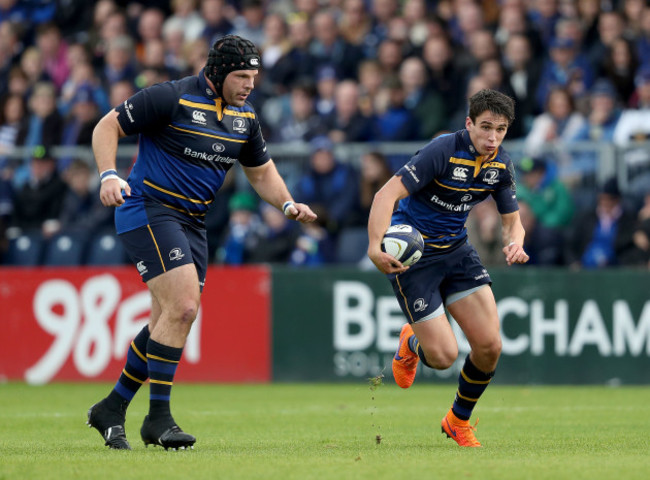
<point x="111" y="176"/>
<point x="285" y="207"/>
<point x="511" y="244"/>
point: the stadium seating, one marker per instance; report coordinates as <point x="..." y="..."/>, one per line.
<point x="105" y="249"/>
<point x="65" y="249"/>
<point x="25" y="250"/>
<point x="352" y="245"/>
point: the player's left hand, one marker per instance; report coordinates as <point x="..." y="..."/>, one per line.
<point x="300" y="212"/>
<point x="515" y="254"/>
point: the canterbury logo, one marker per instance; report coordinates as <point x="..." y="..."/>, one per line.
<point x="198" y="116"/>
<point x="460" y="172"/>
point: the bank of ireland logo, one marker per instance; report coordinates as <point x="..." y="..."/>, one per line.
<point x="460" y="173"/>
<point x="491" y="176"/>
<point x="239" y="125"/>
<point x="176" y="254"/>
<point x="419" y="305"/>
<point x="199" y="117"/>
<point x="218" y="147"/>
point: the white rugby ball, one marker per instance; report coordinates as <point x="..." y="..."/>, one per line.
<point x="404" y="243"/>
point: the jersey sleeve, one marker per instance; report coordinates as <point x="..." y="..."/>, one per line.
<point x="506" y="195"/>
<point x="148" y="109"/>
<point x="254" y="153"/>
<point x="423" y="167"/>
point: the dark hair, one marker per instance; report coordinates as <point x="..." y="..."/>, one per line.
<point x="493" y="101"/>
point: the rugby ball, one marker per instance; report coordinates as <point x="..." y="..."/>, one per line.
<point x="404" y="243"/>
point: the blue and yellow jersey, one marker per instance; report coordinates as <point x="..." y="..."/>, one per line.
<point x="445" y="179"/>
<point x="188" y="140"/>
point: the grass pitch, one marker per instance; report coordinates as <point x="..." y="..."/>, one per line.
<point x="322" y="431"/>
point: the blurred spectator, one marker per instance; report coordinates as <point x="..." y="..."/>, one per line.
<point x="150" y="23"/>
<point x="18" y="82"/>
<point x="375" y="172"/>
<point x="588" y="11"/>
<point x="325" y="90"/>
<point x="31" y="63"/>
<point x="551" y="208"/>
<point x="559" y="122"/>
<point x="12" y="114"/>
<point x="43" y="125"/>
<point x="393" y="121"/>
<point x="217" y="24"/>
<point x="610" y="27"/>
<point x="643" y="40"/>
<point x="355" y="25"/>
<point x="390" y="56"/>
<point x="196" y="56"/>
<point x="185" y="18"/>
<point x="602" y="237"/>
<point x="37" y="204"/>
<point x="330" y="186"/>
<point x="276" y="43"/>
<point x="382" y="12"/>
<point x="447" y="78"/>
<point x="298" y="62"/>
<point x="243" y="229"/>
<point x="6" y="207"/>
<point x="315" y="246"/>
<point x="10" y="48"/>
<point x="303" y="123"/>
<point x="119" y="61"/>
<point x="277" y="237"/>
<point x="81" y="209"/>
<point x="457" y="120"/>
<point x="54" y="51"/>
<point x="82" y="119"/>
<point x="330" y="48"/>
<point x="426" y="105"/>
<point x="415" y="15"/>
<point x="83" y="76"/>
<point x="566" y="68"/>
<point x="642" y="235"/>
<point x="370" y="80"/>
<point x="514" y="22"/>
<point x="250" y="23"/>
<point x="602" y="119"/>
<point x="619" y="66"/>
<point x="113" y="25"/>
<point x="119" y="93"/>
<point x="632" y="14"/>
<point x="522" y="72"/>
<point x="347" y="123"/>
<point x="544" y="14"/>
<point x="482" y="46"/>
<point x="467" y="19"/>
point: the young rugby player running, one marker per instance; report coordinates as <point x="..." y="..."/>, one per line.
<point x="436" y="190"/>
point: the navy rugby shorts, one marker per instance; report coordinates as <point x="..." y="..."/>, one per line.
<point x="424" y="287"/>
<point x="165" y="244"/>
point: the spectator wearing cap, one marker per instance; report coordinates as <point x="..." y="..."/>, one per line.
<point x="332" y="187"/>
<point x="243" y="229"/>
<point x="565" y="67"/>
<point x="550" y="210"/>
<point x="37" y="204"/>
<point x="602" y="236"/>
<point x="602" y="119"/>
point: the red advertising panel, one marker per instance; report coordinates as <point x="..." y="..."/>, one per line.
<point x="77" y="324"/>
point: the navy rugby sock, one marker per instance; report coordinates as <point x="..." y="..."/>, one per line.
<point x="162" y="361"/>
<point x="471" y="384"/>
<point x="414" y="346"/>
<point x="135" y="372"/>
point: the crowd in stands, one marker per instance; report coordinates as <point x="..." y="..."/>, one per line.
<point x="344" y="71"/>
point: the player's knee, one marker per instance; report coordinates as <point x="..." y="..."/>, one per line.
<point x="441" y="359"/>
<point x="186" y="311"/>
<point x="489" y="351"/>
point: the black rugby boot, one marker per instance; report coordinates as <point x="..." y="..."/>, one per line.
<point x="166" y="434"/>
<point x="110" y="424"/>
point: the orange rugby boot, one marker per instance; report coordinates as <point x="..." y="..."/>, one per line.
<point x="405" y="362"/>
<point x="460" y="430"/>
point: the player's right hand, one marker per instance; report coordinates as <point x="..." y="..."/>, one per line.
<point x="110" y="192"/>
<point x="386" y="263"/>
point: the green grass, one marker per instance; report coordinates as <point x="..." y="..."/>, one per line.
<point x="317" y="431"/>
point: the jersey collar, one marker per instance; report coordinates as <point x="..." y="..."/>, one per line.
<point x="205" y="88"/>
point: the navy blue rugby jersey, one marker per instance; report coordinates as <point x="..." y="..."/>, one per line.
<point x="188" y="140"/>
<point x="445" y="179"/>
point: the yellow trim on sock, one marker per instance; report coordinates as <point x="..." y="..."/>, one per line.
<point x="161" y="359"/>
<point x="160" y="382"/>
<point x="132" y="377"/>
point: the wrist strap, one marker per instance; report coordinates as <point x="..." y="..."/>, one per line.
<point x="106" y="173"/>
<point x="285" y="206"/>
